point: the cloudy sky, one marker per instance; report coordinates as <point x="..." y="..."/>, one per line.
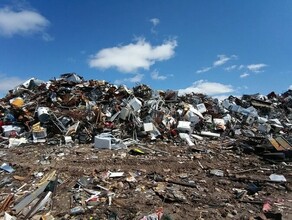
<point x="213" y="47"/>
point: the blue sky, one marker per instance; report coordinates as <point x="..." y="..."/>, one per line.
<point x="214" y="47"/>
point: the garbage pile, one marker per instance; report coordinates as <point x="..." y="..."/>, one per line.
<point x="68" y="112"/>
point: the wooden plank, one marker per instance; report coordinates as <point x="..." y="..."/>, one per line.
<point x="284" y="143"/>
<point x="276" y="144"/>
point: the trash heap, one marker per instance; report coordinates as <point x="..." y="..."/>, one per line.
<point x="71" y="110"/>
<point x="68" y="112"/>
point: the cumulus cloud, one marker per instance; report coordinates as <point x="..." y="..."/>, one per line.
<point x="136" y="79"/>
<point x="244" y="75"/>
<point x="131" y="57"/>
<point x="256" y="67"/>
<point x="9" y="82"/>
<point x="290" y="87"/>
<point x="205" y="87"/>
<point x="23" y="22"/>
<point x="156" y="76"/>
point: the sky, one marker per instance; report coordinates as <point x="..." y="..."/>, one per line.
<point x="218" y="48"/>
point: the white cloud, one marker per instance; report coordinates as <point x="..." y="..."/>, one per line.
<point x="222" y="59"/>
<point x="241" y="67"/>
<point x="290" y="87"/>
<point x="22" y="22"/>
<point x="256" y="67"/>
<point x="137" y="78"/>
<point x="155" y="75"/>
<point x="244" y="75"/>
<point x="9" y="82"/>
<point x="131" y="57"/>
<point x="230" y="68"/>
<point x="155" y="21"/>
<point x="209" y="88"/>
<point x="204" y="70"/>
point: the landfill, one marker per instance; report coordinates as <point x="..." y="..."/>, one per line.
<point x="88" y="149"/>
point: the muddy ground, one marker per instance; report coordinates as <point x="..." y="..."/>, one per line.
<point x="177" y="179"/>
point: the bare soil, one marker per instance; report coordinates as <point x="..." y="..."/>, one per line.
<point x="176" y="178"/>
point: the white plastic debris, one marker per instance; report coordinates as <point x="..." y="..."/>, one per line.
<point x="197" y="137"/>
<point x="15" y="142"/>
<point x="148" y="126"/>
<point x="108" y="141"/>
<point x="217" y="172"/>
<point x="275" y="121"/>
<point x="116" y="174"/>
<point x="277" y="178"/>
<point x="195" y="111"/>
<point x="218" y="121"/>
<point x="187" y="138"/>
<point x="262" y="120"/>
<point x="184" y="126"/>
<point x="135" y="103"/>
<point x="9" y="217"/>
<point x="201" y="107"/>
<point x="68" y="139"/>
<point x="211" y="134"/>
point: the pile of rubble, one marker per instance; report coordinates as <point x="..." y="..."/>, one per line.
<point x="69" y="114"/>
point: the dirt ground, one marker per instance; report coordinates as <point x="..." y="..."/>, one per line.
<point x="177" y="179"/>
